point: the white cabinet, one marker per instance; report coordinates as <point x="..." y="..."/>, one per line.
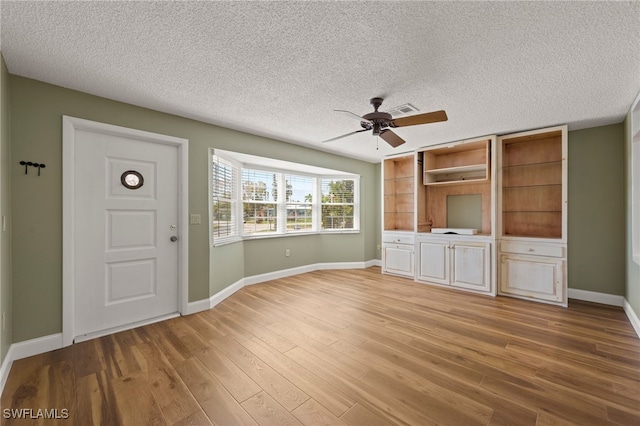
<point x="455" y="262"/>
<point x="397" y="254"/>
<point x="433" y="265"/>
<point x="533" y="270"/>
<point x="471" y="265"/>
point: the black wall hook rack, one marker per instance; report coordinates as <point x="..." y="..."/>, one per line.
<point x="26" y="165"/>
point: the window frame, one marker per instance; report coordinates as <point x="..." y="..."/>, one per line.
<point x="236" y="234"/>
<point x="259" y="202"/>
<point x="311" y="205"/>
<point x="355" y="204"/>
<point x="282" y="203"/>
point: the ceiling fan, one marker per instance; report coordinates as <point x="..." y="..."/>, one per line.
<point x="379" y="122"/>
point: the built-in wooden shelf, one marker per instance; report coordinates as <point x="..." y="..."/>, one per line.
<point x="454" y="164"/>
<point x="532" y="186"/>
<point x="399" y="185"/>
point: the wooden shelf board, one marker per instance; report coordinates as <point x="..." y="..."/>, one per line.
<point x="531" y="211"/>
<point x="458" y="182"/>
<point x="532" y="164"/>
<point x="532" y="186"/>
<point x="458" y="169"/>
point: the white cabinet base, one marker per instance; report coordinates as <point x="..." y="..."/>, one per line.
<point x="470" y="266"/>
<point x="455" y="262"/>
<point x="433" y="262"/>
<point x="534" y="271"/>
<point x="398" y="259"/>
<point x="397" y="254"/>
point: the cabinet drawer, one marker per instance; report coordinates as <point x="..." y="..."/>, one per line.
<point x="398" y="239"/>
<point x="532" y="249"/>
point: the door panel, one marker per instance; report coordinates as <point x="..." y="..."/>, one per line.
<point x="398" y="259"/>
<point x="128" y="229"/>
<point x="534" y="277"/>
<point x="434" y="262"/>
<point x="130" y="280"/>
<point x="470" y="266"/>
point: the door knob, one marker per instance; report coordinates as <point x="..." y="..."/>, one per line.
<point x="173" y="238"/>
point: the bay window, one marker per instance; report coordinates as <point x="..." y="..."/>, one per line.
<point x="255" y="197"/>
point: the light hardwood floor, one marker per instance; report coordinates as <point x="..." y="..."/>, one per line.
<point x="348" y="347"/>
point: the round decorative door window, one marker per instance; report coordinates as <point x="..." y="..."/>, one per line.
<point x="132" y="179"/>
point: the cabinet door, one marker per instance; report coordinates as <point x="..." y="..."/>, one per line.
<point x="434" y="261"/>
<point x="398" y="259"/>
<point x="534" y="277"/>
<point x="471" y="265"/>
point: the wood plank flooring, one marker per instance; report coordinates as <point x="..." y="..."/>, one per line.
<point x="349" y="347"/>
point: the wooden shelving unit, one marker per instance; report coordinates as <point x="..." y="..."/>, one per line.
<point x="532" y="215"/>
<point x="399" y="185"/>
<point x="461" y="163"/>
<point x="532" y="186"/>
<point x="461" y="168"/>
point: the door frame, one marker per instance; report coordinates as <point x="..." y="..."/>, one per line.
<point x="69" y="127"/>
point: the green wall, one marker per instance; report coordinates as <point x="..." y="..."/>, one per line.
<point x="596" y="210"/>
<point x="36" y="120"/>
<point x="5" y="210"/>
<point x="632" y="278"/>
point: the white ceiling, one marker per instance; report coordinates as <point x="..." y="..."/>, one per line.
<point x="279" y="69"/>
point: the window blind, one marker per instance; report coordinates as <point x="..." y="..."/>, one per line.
<point x="225" y="178"/>
<point x="299" y="205"/>
<point x="338" y="207"/>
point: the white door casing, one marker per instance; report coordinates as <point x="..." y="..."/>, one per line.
<point x="120" y="268"/>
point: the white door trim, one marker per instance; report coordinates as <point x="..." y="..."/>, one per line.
<point x="69" y="126"/>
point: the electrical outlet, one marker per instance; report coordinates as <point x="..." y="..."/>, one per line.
<point x="287" y="252"/>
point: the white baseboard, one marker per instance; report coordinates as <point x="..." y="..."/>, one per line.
<point x="607" y="299"/>
<point x="206" y="304"/>
<point x="633" y="318"/>
<point x="283" y="273"/>
<point x="257" y="279"/>
<point x="373" y="262"/>
<point x="7" y="362"/>
<point x="26" y="349"/>
<point x="595" y="297"/>
<point x="197" y="306"/>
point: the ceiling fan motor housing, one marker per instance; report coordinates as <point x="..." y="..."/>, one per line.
<point x="377" y="120"/>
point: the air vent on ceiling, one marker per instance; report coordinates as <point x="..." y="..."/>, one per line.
<point x="402" y="110"/>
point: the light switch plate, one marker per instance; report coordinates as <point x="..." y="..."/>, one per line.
<point x="195" y="219"/>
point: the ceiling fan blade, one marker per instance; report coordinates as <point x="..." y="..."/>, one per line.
<point x="352" y="115"/>
<point x="344" y="136"/>
<point x="426" y="118"/>
<point x="391" y="138"/>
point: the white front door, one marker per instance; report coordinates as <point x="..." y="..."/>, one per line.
<point x="125" y="231"/>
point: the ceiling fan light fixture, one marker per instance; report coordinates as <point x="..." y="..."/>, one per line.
<point x="380" y="122"/>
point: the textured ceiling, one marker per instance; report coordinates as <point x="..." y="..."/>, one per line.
<point x="279" y="69"/>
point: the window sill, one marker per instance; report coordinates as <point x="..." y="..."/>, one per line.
<point x="288" y="234"/>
